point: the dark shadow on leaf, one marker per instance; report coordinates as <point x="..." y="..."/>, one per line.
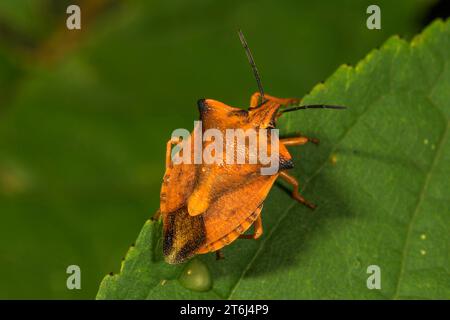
<point x="308" y="226"/>
<point x="386" y="158"/>
<point x="332" y="204"/>
<point x="323" y="190"/>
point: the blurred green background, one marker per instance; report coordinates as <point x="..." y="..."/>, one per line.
<point x="85" y="115"/>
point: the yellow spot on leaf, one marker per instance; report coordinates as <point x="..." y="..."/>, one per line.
<point x="13" y="180"/>
<point x="333" y="159"/>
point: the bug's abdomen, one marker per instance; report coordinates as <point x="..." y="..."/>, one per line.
<point x="183" y="235"/>
<point x="233" y="235"/>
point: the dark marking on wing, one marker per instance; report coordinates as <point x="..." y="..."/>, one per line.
<point x="286" y="163"/>
<point x="183" y="235"/>
<point x="239" y="113"/>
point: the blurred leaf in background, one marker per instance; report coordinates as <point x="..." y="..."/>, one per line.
<point x="84" y="115"/>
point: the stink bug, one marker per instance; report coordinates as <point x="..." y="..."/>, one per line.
<point x="205" y="207"/>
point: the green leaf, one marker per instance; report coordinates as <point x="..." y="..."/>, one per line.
<point x="380" y="178"/>
<point x="82" y="139"/>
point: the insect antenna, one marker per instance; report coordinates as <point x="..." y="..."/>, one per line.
<point x="312" y="106"/>
<point x="253" y="65"/>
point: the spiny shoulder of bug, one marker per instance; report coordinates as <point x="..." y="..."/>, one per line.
<point x="218" y="115"/>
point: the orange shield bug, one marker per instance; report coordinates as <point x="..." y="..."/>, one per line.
<point x="206" y="206"/>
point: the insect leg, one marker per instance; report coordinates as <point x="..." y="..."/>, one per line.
<point x="166" y="177"/>
<point x="298" y="141"/>
<point x="156" y="215"/>
<point x="254" y="100"/>
<point x="169" y="152"/>
<point x="219" y="255"/>
<point x="295" y="194"/>
<point x="257" y="232"/>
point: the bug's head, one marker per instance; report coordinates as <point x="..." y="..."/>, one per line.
<point x="265" y="115"/>
<point x="217" y="115"/>
<point x="267" y="112"/>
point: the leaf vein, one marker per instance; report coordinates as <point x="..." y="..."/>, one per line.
<point x="428" y="176"/>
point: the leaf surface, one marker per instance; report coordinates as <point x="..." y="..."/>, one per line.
<point x="84" y="115"/>
<point x="380" y="178"/>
